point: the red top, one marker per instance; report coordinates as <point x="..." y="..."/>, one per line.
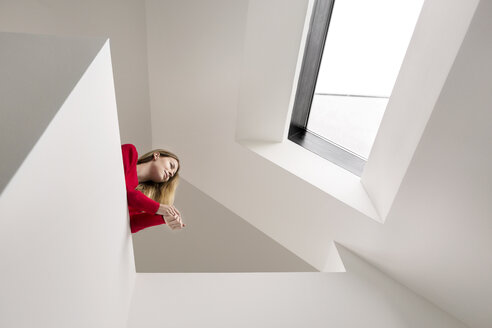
<point x="141" y="208"/>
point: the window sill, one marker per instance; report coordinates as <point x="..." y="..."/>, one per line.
<point x="317" y="171"/>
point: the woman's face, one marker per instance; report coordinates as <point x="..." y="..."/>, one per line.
<point x="163" y="168"/>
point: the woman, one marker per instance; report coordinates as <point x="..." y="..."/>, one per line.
<point x="151" y="182"/>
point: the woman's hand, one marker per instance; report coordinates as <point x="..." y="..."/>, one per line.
<point x="171" y="215"/>
<point x="174" y="222"/>
<point x="167" y="210"/>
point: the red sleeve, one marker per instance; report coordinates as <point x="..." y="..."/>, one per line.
<point x="141" y="221"/>
<point x="135" y="198"/>
<point x="139" y="201"/>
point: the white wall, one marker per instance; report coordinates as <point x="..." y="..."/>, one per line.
<point x="437" y="38"/>
<point x="438" y="235"/>
<point x="362" y="297"/>
<point x="123" y="22"/>
<point x="26" y="61"/>
<point x="273" y="32"/>
<point x="214" y="240"/>
<point x="65" y="244"/>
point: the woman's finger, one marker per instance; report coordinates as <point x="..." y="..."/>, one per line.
<point x="171" y="219"/>
<point x="174" y="222"/>
<point x="177" y="224"/>
<point x="169" y="210"/>
<point x="176" y="210"/>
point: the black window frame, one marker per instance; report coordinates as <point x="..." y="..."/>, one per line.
<point x="313" y="53"/>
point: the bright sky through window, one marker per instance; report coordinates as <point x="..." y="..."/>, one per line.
<point x="363" y="52"/>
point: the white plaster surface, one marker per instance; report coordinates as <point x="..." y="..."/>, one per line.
<point x="28" y="98"/>
<point x="65" y="244"/>
<point x="123" y="22"/>
<point x="437" y="38"/>
<point x="362" y="297"/>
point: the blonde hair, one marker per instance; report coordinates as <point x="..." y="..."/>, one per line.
<point x="162" y="192"/>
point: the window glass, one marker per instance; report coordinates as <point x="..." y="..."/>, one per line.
<point x="363" y="52"/>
